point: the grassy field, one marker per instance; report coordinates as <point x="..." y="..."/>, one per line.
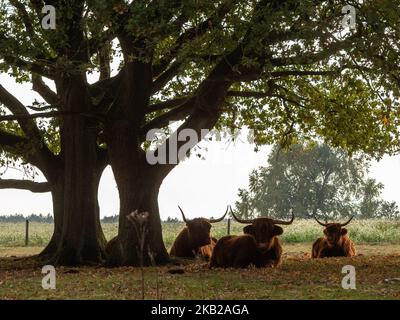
<point x="377" y="269"/>
<point x="299" y="277"/>
<point x="361" y="231"/>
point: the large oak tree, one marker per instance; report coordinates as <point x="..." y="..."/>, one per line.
<point x="282" y="68"/>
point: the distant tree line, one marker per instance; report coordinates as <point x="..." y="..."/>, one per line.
<point x="110" y="219"/>
<point x="171" y="220"/>
<point x="15" y="218"/>
<point x="314" y="179"/>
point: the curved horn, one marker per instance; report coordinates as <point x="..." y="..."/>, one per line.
<point x="348" y="221"/>
<point x="219" y="219"/>
<point x="183" y="215"/>
<point x="240" y="220"/>
<point x="285" y="222"/>
<point x="322" y="224"/>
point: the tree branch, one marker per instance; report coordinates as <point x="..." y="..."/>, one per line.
<point x="50" y="114"/>
<point x="105" y="91"/>
<point x="37" y="6"/>
<point x="37" y="187"/>
<point x="18" y="109"/>
<point x="167" y="104"/>
<point x="95" y="44"/>
<point x="187" y="36"/>
<point x="25" y="17"/>
<point x="104" y="62"/>
<point x="165" y="77"/>
<point x="303" y="73"/>
<point x="27" y="66"/>
<point x="42" y="157"/>
<point x="10" y="140"/>
<point x="175" y="114"/>
<point x="205" y="107"/>
<point x="252" y="94"/>
<point x="311" y="58"/>
<point x="290" y="100"/>
<point x="262" y="94"/>
<point x="165" y="71"/>
<point x="45" y="92"/>
<point x="20" y="146"/>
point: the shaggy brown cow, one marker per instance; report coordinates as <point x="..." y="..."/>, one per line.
<point x="259" y="245"/>
<point x="195" y="238"/>
<point x="335" y="243"/>
<point x="205" y="252"/>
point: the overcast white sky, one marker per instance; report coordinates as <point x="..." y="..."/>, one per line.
<point x="200" y="187"/>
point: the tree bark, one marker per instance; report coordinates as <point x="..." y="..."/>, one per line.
<point x="78" y="234"/>
<point x="143" y="196"/>
<point x="81" y="238"/>
<point x="57" y="194"/>
<point x="138" y="187"/>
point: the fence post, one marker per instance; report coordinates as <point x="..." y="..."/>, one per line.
<point x="26" y="232"/>
<point x="229" y="226"/>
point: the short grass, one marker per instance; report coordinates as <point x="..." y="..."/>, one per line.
<point x="361" y="231"/>
<point x="377" y="266"/>
<point x="299" y="277"/>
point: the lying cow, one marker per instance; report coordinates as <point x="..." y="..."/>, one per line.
<point x="195" y="238"/>
<point x="206" y="251"/>
<point x="335" y="243"/>
<point x="259" y="245"/>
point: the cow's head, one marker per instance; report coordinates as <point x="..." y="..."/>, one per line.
<point x="334" y="232"/>
<point x="199" y="229"/>
<point x="263" y="229"/>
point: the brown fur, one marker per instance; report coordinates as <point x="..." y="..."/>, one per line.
<point x="206" y="251"/>
<point x="192" y="238"/>
<point x="258" y="246"/>
<point x="335" y="243"/>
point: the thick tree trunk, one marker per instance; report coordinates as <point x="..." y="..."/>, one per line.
<point x="57" y="194"/>
<point x="81" y="240"/>
<point x="138" y="188"/>
<point x="58" y="212"/>
<point x="142" y="197"/>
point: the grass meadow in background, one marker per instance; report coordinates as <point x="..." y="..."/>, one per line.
<point x="372" y="231"/>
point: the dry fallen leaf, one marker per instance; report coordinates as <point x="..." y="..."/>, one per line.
<point x="392" y="280"/>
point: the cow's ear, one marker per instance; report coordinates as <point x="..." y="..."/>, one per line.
<point x="249" y="229"/>
<point x="325" y="232"/>
<point x="344" y="231"/>
<point x="277" y="230"/>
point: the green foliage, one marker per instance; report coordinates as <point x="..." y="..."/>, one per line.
<point x="372" y="205"/>
<point x="313" y="178"/>
<point x="298" y="76"/>
<point x="280" y="40"/>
